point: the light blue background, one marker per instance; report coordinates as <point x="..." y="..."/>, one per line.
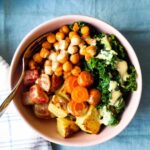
<point x="131" y="17"/>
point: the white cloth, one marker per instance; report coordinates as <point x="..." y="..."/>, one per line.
<point x="14" y="132"/>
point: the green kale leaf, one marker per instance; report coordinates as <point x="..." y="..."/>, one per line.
<point x="131" y="84"/>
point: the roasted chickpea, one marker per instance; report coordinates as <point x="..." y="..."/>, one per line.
<point x="37" y="58"/>
<point x="59" y="71"/>
<point x="75" y="40"/>
<point x="75" y="27"/>
<point x="91" y="41"/>
<point x="83" y="50"/>
<point x="82" y="44"/>
<point x="85" y="30"/>
<point x="51" y="38"/>
<point x="32" y="64"/>
<point x="48" y="70"/>
<point x="76" y="71"/>
<point x="60" y="36"/>
<point x="62" y="57"/>
<point x="44" y="53"/>
<point x="67" y="66"/>
<point x="71" y="34"/>
<point x="75" y="58"/>
<point x="72" y="49"/>
<point x="46" y="45"/>
<point x="48" y="63"/>
<point x="63" y="44"/>
<point x="53" y="56"/>
<point x="91" y="50"/>
<point x="67" y="39"/>
<point x="64" y="29"/>
<point x="87" y="57"/>
<point x="56" y="46"/>
<point x="55" y="65"/>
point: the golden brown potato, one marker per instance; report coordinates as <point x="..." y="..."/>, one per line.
<point x="66" y="128"/>
<point x="90" y="122"/>
<point x="58" y="106"/>
<point x="62" y="92"/>
<point x="41" y="111"/>
<point x="26" y="99"/>
<point x="44" y="82"/>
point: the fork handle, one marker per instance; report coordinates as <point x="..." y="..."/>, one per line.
<point x="9" y="98"/>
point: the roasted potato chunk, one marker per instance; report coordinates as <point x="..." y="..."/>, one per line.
<point x="30" y="77"/>
<point x="90" y="122"/>
<point x="62" y="92"/>
<point x="58" y="106"/>
<point x="37" y="95"/>
<point x="26" y="99"/>
<point x="41" y="111"/>
<point x="66" y="127"/>
<point x="44" y="82"/>
<point x="56" y="82"/>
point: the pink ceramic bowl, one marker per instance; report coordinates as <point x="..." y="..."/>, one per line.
<point x="47" y="129"/>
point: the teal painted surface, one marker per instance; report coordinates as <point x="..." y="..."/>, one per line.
<point x="132" y="18"/>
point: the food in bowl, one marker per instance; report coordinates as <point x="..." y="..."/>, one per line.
<point x="81" y="77"/>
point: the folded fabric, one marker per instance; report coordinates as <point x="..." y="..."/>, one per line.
<point x="14" y="132"/>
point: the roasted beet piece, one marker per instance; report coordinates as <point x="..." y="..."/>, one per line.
<point x="30" y="77"/>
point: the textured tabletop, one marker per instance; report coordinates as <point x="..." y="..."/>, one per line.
<point x="131" y="17"/>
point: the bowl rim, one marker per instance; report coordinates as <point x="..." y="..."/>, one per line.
<point x="78" y="17"/>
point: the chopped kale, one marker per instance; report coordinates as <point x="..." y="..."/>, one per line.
<point x="130" y="84"/>
<point x="116" y="46"/>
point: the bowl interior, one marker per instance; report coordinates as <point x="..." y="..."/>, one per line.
<point x="47" y="129"/>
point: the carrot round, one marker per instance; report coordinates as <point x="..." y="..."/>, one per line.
<point x="70" y="83"/>
<point x="77" y="109"/>
<point x="94" y="97"/>
<point x="85" y="79"/>
<point x="79" y="94"/>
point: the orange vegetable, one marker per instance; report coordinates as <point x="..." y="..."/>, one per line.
<point x="67" y="66"/>
<point x="95" y="97"/>
<point x="85" y="30"/>
<point x="76" y="71"/>
<point x="60" y="36"/>
<point x="87" y="57"/>
<point x="64" y="29"/>
<point x="44" y="53"/>
<point x="91" y="50"/>
<point x="77" y="109"/>
<point x="46" y="45"/>
<point x="85" y="79"/>
<point x="75" y="27"/>
<point x="74" y="58"/>
<point x="79" y="94"/>
<point x="51" y="38"/>
<point x="37" y="58"/>
<point x="70" y="83"/>
<point x="32" y="64"/>
<point x="71" y="34"/>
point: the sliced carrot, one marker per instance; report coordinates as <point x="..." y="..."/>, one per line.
<point x="85" y="79"/>
<point x="77" y="109"/>
<point x="70" y="83"/>
<point x="79" y="94"/>
<point x="94" y="98"/>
